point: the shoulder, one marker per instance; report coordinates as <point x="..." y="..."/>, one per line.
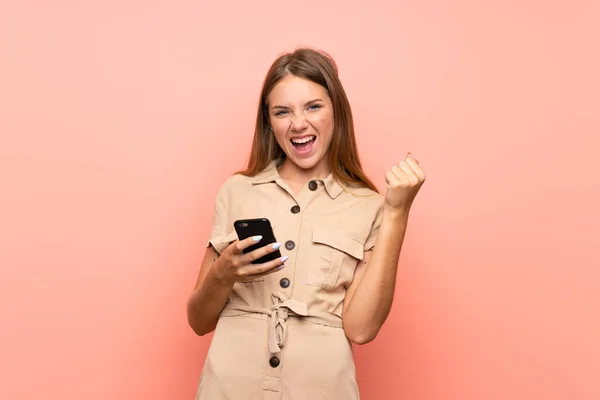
<point x="230" y="188"/>
<point x="235" y="182"/>
<point x="363" y="203"/>
<point x="364" y="195"/>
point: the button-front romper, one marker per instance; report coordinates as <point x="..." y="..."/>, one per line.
<point x="280" y="336"/>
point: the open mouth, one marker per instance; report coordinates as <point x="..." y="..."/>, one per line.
<point x="304" y="143"/>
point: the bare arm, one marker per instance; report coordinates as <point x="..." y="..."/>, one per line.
<point x="208" y="298"/>
<point x="369" y="297"/>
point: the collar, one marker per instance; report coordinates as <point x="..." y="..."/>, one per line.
<point x="270" y="174"/>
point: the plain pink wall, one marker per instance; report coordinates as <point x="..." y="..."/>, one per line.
<point x="120" y="119"/>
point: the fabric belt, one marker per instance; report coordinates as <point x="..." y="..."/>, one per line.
<point x="278" y="316"/>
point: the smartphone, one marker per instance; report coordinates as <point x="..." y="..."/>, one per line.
<point x="246" y="228"/>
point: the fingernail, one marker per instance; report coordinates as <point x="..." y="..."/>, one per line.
<point x="410" y="155"/>
<point x="284" y="259"/>
<point x="276" y="246"/>
<point x="256" y="238"/>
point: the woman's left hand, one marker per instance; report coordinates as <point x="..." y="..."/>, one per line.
<point x="404" y="181"/>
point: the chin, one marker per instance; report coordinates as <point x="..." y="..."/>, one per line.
<point x="304" y="163"/>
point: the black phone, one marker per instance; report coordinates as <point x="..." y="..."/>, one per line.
<point x="246" y="228"/>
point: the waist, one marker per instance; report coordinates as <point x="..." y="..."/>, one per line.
<point x="320" y="318"/>
<point x="279" y="314"/>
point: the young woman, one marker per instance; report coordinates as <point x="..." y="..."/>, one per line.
<point x="283" y="329"/>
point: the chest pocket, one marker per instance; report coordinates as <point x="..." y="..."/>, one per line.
<point x="333" y="259"/>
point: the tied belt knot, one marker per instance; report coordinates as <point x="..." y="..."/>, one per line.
<point x="280" y="311"/>
<point x="278" y="315"/>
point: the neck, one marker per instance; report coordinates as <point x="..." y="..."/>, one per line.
<point x="293" y="173"/>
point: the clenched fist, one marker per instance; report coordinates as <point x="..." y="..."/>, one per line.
<point x="404" y="181"/>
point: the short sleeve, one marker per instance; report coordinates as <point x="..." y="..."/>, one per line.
<point x="218" y="235"/>
<point x="372" y="238"/>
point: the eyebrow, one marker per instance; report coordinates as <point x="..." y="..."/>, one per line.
<point x="305" y="104"/>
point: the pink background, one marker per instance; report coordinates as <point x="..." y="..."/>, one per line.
<point x="120" y="119"/>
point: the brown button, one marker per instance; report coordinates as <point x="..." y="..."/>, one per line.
<point x="284" y="283"/>
<point x="312" y="185"/>
<point x="290" y="245"/>
<point x="295" y="209"/>
<point x="274" y="362"/>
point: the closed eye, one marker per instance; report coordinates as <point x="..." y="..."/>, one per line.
<point x="314" y="107"/>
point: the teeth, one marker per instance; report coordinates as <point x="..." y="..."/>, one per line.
<point x="303" y="140"/>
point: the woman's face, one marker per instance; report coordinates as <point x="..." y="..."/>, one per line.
<point x="301" y="117"/>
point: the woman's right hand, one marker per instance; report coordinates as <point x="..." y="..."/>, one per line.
<point x="235" y="266"/>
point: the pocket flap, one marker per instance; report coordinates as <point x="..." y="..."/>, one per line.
<point x="339" y="240"/>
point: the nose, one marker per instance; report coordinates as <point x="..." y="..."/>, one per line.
<point x="299" y="123"/>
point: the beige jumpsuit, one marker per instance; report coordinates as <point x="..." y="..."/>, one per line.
<point x="280" y="336"/>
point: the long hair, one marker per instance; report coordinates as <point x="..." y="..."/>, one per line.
<point x="318" y="67"/>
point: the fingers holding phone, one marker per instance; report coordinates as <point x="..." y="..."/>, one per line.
<point x="255" y="254"/>
<point x="258" y="255"/>
<point x="269" y="264"/>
